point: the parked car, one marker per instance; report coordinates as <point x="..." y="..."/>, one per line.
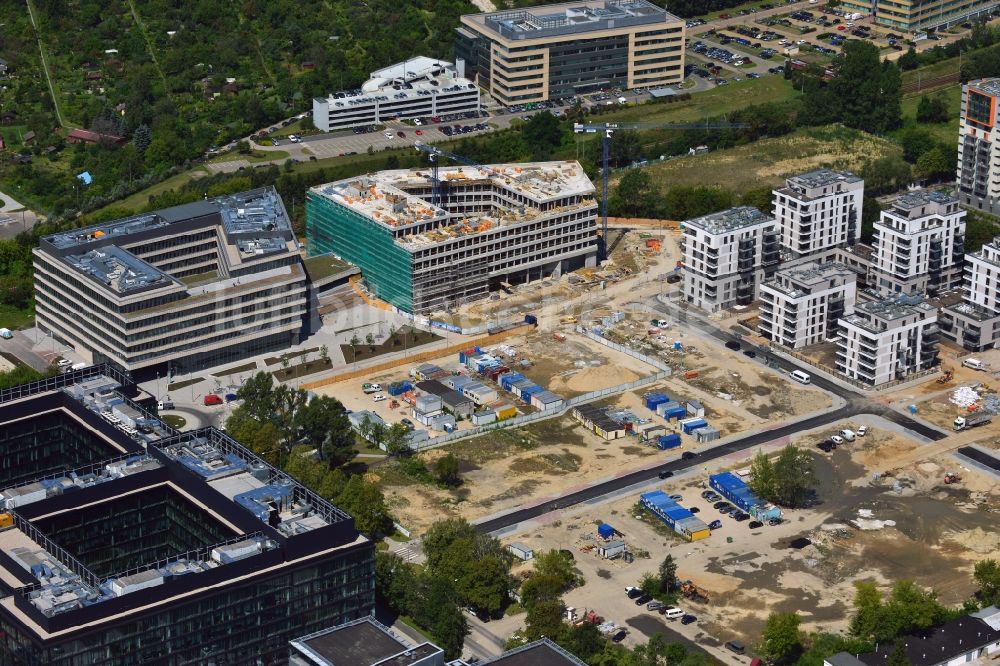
<point x="687" y="455"/>
<point x="755" y="524"/>
<point x="736" y="647"/>
<point x="620" y="636"/>
<point x="633" y="592"/>
<point x="408" y="423"/>
<point x="837" y="439"/>
<point x="654" y="605"/>
<point x="715" y="524"/>
<point x="732" y="344"/>
<point x="862" y="431"/>
<point x="378" y="397"/>
<point x="706" y="494"/>
<point x="722" y="504"/>
<point x="230" y="397"/>
<point x="64" y="362"/>
<point x="212" y="399"/>
<point x="644" y="599"/>
<point x="774" y="521"/>
<point x="741" y="517"/>
<point x="688" y="619"/>
<point x="676" y="498"/>
<point x="694" y="509"/>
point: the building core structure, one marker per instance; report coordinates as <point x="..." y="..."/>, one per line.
<point x="416" y="88"/>
<point x="919" y="244"/>
<point x="818" y="211"/>
<point x="727" y="255"/>
<point x="563" y="50"/>
<point x="159" y="547"/>
<point x="492" y="226"/>
<point x="181" y="288"/>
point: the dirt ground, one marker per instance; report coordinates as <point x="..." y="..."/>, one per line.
<point x="931" y="532"/>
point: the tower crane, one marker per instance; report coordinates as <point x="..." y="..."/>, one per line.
<point x="608" y="129"/>
<point x="433" y="153"/>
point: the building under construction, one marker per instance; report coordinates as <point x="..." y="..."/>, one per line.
<point x="493" y="226"/>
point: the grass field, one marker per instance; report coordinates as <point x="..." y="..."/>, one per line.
<point x="940" y="68"/>
<point x="945" y="132"/>
<point x="14" y="318"/>
<point x="253" y="157"/>
<point x="769" y="161"/>
<point x="139" y="200"/>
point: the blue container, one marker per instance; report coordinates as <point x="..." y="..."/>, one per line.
<point x="654" y="399"/>
<point x="694" y="425"/>
<point x="671" y="441"/>
<point x="677" y="344"/>
<point x="531" y="319"/>
<point x="675" y="413"/>
<point x="605" y="531"/>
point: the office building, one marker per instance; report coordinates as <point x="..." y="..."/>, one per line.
<point x="553" y="51"/>
<point x="888" y="340"/>
<point x="915" y="16"/>
<point x="493" y="226"/>
<point x="978" y="178"/>
<point x="186" y="287"/>
<point x="975" y="322"/>
<point x="367" y="642"/>
<point x="919" y="244"/>
<point x="144" y="545"/>
<point x="727" y="255"/>
<point x="819" y="210"/>
<point x="417" y="88"/>
<point x="802" y="304"/>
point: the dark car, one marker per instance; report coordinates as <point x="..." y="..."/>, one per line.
<point x="687" y="455"/>
<point x="741" y="517"/>
<point x="735" y="346"/>
<point x="715" y="524"/>
<point x="721" y="504"/>
<point x="634" y="593"/>
<point x="736" y="646"/>
<point x="825" y="446"/>
<point x="408" y="423"/>
<point x="620" y="636"/>
<point x="755" y="524"/>
<point x="665" y="474"/>
<point x="774" y="521"/>
<point x="688" y="619"/>
<point x="706" y="494"/>
<point x="401" y="135"/>
<point x="749" y="353"/>
<point x="643" y="600"/>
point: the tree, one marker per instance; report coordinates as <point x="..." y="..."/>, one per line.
<point x="933" y="110"/>
<point x="370" y="340"/>
<point x="867" y="93"/>
<point x="540" y="588"/>
<point x="781" y="637"/>
<point x="355" y="341"/>
<point x="365" y="502"/>
<point x="898" y="655"/>
<point x="909" y="60"/>
<point x="446" y="470"/>
<point x="478" y="564"/>
<point x="142" y="137"/>
<point x="543" y="133"/>
<point x="441" y="535"/>
<point x="794" y="476"/>
<point x="396" y="439"/>
<point x="324" y="354"/>
<point x="393" y="580"/>
<point x="544" y="620"/>
<point x="243" y="147"/>
<point x="624" y="148"/>
<point x="762" y="479"/>
<point x="324" y="425"/>
<point x="634" y="195"/>
<point x="987" y="577"/>
<point x="868" y="612"/>
<point x="668" y="574"/>
<point x="557" y="565"/>
<point x="933" y="165"/>
<point x="257" y="394"/>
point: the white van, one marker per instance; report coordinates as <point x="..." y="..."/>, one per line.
<point x="974" y="363"/>
<point x="673" y="613"/>
<point x="800" y="376"/>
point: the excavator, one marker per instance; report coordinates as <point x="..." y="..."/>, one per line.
<point x="946" y="376"/>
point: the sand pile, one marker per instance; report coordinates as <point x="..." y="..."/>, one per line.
<point x="977" y="540"/>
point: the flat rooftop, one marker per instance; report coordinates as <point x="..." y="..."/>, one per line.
<point x="571" y="18"/>
<point x="796" y="280"/>
<point x="870" y="314"/>
<point x="385" y="199"/>
<point x="820" y="178"/>
<point x="363" y="642"/>
<point x="411" y="79"/>
<point x="538" y="653"/>
<point x="733" y="219"/>
<point x="989" y="86"/>
<point x="918" y="198"/>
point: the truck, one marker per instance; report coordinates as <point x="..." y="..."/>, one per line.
<point x="972" y="421"/>
<point x="974" y="363"/>
<point x="371" y="388"/>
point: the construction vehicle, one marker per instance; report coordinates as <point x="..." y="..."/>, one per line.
<point x="607" y="130"/>
<point x="693" y="592"/>
<point x="946" y="377"/>
<point x="974" y="420"/>
<point x="951" y="477"/>
<point x="568" y="319"/>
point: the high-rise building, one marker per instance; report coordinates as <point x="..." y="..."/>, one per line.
<point x="919" y="244"/>
<point x="917" y="15"/>
<point x="975" y="322"/>
<point x="416" y="88"/>
<point x="888" y="340"/>
<point x="978" y="148"/>
<point x="819" y="210"/>
<point x="727" y="255"/>
<point x="128" y="542"/>
<point x="802" y="304"/>
<point x="554" y="51"/>
<point x="493" y="225"/>
<point x="190" y="286"/>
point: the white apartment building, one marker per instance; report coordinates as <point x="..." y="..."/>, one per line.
<point x="978" y="176"/>
<point x="975" y="322"/>
<point x="888" y="340"/>
<point x="416" y="88"/>
<point x="727" y="255"/>
<point x="919" y="244"/>
<point x="819" y="210"/>
<point x="802" y="305"/>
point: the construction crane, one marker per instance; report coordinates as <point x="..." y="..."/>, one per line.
<point x="433" y="153"/>
<point x="608" y="129"/>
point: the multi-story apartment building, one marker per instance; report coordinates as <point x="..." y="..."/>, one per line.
<point x="919" y="244"/>
<point x="727" y="255"/>
<point x="917" y="15"/>
<point x="158" y="547"/>
<point x="190" y="286"/>
<point x="978" y="174"/>
<point x="975" y="322"/>
<point x="552" y="51"/>
<point x="492" y="225"/>
<point x="416" y="88"/>
<point x="819" y="210"/>
<point x="887" y="340"/>
<point x="802" y="305"/>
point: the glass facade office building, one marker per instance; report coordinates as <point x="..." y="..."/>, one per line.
<point x="179" y="549"/>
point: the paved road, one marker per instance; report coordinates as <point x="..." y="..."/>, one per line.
<point x="854" y="405"/>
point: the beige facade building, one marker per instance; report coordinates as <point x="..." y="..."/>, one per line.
<point x="555" y="51"/>
<point x="918" y="15"/>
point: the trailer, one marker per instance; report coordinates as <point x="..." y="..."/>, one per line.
<point x="974" y="420"/>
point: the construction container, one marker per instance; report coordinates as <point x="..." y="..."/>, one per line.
<point x="671" y="410"/>
<point x="690" y="374"/>
<point x="650" y="431"/>
<point x="480" y="393"/>
<point x="695" y="408"/>
<point x="396" y="389"/>
<point x="736" y="491"/>
<point x="546" y="400"/>
<point x="508" y="379"/>
<point x="675" y="516"/>
<point x="504" y="410"/>
<point x="706" y="434"/>
<point x="611" y="549"/>
<point x="529" y="391"/>
<point x="531" y="320"/>
<point x="654" y="399"/>
<point x="494" y="373"/>
<point x="690" y="425"/>
<point x="484" y="417"/>
<point x="428" y="403"/>
<point x="457" y="382"/>
<point x="605" y="531"/>
<point x="520" y="551"/>
<point x="671" y="441"/>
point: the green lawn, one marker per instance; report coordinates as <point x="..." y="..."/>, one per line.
<point x="733" y="11"/>
<point x="324" y="266"/>
<point x="138" y="201"/>
<point x="945" y="132"/>
<point x="252" y="157"/>
<point x="940" y="68"/>
<point x="200" y="277"/>
<point x="15" y="318"/>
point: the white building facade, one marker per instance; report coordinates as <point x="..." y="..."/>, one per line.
<point x="819" y="210"/>
<point x="975" y="322"/>
<point x="727" y="255"/>
<point x="419" y="87"/>
<point x="978" y="150"/>
<point x="801" y="306"/>
<point x="888" y="340"/>
<point x="919" y="244"/>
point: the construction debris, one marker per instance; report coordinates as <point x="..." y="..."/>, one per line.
<point x="963" y="396"/>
